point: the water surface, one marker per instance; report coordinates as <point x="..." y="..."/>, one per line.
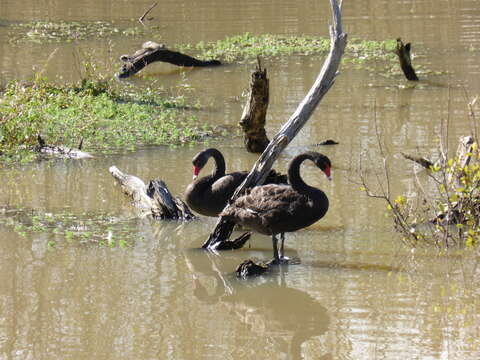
<point x="357" y="294"/>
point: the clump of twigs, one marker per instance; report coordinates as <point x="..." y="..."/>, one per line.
<point x="448" y="212"/>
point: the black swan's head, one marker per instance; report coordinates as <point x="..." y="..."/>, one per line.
<point x="323" y="163"/>
<point x="199" y="161"/>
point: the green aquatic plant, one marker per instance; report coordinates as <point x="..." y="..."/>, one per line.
<point x="102" y="229"/>
<point x="247" y="47"/>
<point x="106" y="117"/>
<point x="67" y="31"/>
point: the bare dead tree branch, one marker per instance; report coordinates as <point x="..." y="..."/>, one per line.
<point x="324" y="81"/>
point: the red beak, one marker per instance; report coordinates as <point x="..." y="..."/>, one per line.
<point x="327" y="172"/>
<point x="196" y="171"/>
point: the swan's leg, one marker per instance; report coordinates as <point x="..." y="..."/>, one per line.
<point x="275" y="249"/>
<point x="282" y="248"/>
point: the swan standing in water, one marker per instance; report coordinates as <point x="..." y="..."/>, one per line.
<point x="276" y="209"/>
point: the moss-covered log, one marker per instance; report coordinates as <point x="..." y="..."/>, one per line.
<point x="151" y="52"/>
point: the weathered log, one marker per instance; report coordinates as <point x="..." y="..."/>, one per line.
<point x="427" y="164"/>
<point x="255" y="111"/>
<point x="154" y="200"/>
<point x="151" y="52"/>
<point x="403" y="53"/>
<point x="60" y="150"/>
<point x="289" y="130"/>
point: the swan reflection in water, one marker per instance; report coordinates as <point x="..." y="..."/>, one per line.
<point x="287" y="316"/>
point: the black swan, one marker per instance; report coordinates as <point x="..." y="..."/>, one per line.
<point x="277" y="209"/>
<point x="209" y="194"/>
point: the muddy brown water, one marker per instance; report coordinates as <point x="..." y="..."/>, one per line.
<point x="357" y="294"/>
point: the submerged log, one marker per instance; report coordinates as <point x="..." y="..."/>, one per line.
<point x="151" y="52"/>
<point x="289" y="130"/>
<point x="154" y="200"/>
<point x="403" y="53"/>
<point x="255" y="112"/>
<point x="61" y="151"/>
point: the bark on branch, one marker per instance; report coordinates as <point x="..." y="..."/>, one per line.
<point x="324" y="81"/>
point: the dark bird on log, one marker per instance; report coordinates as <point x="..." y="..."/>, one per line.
<point x="209" y="195"/>
<point x="277" y="209"/>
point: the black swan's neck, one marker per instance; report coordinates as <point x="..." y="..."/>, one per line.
<point x="294" y="177"/>
<point x="219" y="168"/>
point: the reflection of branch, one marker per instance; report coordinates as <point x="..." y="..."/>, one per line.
<point x="141" y="18"/>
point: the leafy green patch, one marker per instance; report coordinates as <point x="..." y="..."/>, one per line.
<point x="101" y="229"/>
<point x="49" y="31"/>
<point x="95" y="111"/>
<point x="247" y="47"/>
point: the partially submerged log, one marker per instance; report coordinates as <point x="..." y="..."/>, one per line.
<point x="322" y="84"/>
<point x="327" y="142"/>
<point x="61" y="151"/>
<point x="427" y="164"/>
<point x="403" y="53"/>
<point x="154" y="200"/>
<point x="255" y="112"/>
<point x="151" y="52"/>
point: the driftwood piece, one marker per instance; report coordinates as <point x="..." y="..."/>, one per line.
<point x="154" y="200"/>
<point x="324" y="81"/>
<point x="151" y="52"/>
<point x="403" y="53"/>
<point x="427" y="164"/>
<point x="61" y="151"/>
<point x="255" y="112"/>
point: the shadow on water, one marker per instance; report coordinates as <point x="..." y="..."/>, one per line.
<point x="286" y="316"/>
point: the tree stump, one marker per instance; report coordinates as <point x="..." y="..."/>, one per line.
<point x="255" y="112"/>
<point x="403" y="53"/>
